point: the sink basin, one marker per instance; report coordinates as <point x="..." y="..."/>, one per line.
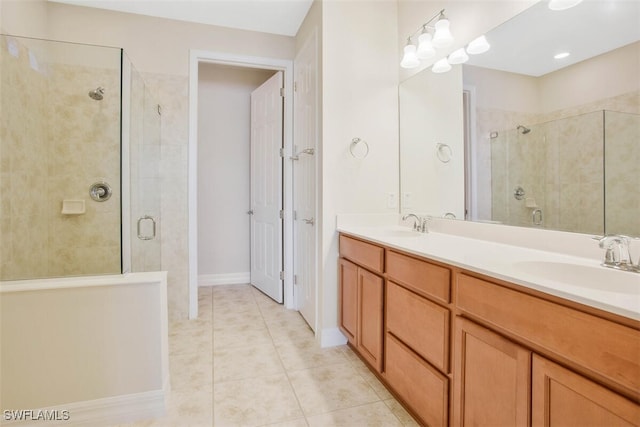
<point x="584" y="276"/>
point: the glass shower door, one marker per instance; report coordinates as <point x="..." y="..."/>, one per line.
<point x="145" y="177"/>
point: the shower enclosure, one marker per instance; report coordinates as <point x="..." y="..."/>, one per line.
<point x="79" y="162"/>
<point x="550" y="175"/>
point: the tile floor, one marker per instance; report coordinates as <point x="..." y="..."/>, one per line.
<point x="247" y="361"/>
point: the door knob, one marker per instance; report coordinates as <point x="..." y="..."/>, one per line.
<point x="309" y="221"/>
<point x="250" y="212"/>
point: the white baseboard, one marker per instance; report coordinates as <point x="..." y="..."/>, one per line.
<point x="331" y="337"/>
<point x="224" y="279"/>
<point x="99" y="412"/>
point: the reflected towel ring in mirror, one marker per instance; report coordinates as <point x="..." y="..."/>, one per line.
<point x="444" y="152"/>
<point x="358" y="150"/>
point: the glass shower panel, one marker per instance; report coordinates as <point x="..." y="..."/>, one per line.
<point x="145" y="177"/>
<point x="622" y="173"/>
<point x="59" y="135"/>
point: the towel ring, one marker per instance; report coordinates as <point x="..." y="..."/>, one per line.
<point x="444" y="152"/>
<point x="354" y="143"/>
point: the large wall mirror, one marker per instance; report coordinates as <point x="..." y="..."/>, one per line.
<point x="523" y="135"/>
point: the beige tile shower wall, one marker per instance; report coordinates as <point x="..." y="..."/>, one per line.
<point x="84" y="148"/>
<point x="622" y="163"/>
<point x="24" y="228"/>
<point x="56" y="141"/>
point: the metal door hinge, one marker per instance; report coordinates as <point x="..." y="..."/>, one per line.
<point x="282" y="214"/>
<point x="295" y="215"/>
<point x="295" y="86"/>
<point x="295" y="279"/>
<point x="282" y="152"/>
<point x="282" y="275"/>
<point x="282" y="92"/>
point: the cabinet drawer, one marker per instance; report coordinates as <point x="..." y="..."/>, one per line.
<point x="365" y="254"/>
<point x="420" y="324"/>
<point x="423" y="388"/>
<point x="601" y="346"/>
<point x="423" y="277"/>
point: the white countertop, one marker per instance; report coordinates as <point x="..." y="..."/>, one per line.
<point x="574" y="278"/>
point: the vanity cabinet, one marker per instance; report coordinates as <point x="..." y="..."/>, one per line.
<point x="492" y="382"/>
<point x="562" y="397"/>
<point x="361" y="298"/>
<point x="417" y="325"/>
<point x="461" y="348"/>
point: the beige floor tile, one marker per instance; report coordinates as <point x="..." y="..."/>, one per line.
<point x="372" y="380"/>
<point x="289" y="328"/>
<point x="306" y="353"/>
<point x="223" y="318"/>
<point x="330" y="388"/>
<point x="245" y="362"/>
<point x="370" y="415"/>
<point x="405" y="418"/>
<point x="254" y="402"/>
<point x="300" y="422"/>
<point x="202" y="322"/>
<point x="193" y="340"/>
<point x="191" y="372"/>
<point x="240" y="336"/>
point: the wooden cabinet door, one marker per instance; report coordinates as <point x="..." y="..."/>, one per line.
<point x="348" y="282"/>
<point x="370" y="299"/>
<point x="564" y="398"/>
<point x="492" y="384"/>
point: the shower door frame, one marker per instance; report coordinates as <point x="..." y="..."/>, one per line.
<point x="222" y="58"/>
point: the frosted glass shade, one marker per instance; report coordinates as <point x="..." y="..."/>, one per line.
<point x="478" y="46"/>
<point x="442" y="66"/>
<point x="410" y="59"/>
<point x="442" y="38"/>
<point x="425" y="47"/>
<point x="458" y="57"/>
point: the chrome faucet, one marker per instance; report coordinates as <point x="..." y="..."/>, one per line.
<point x="419" y="224"/>
<point x="617" y="252"/>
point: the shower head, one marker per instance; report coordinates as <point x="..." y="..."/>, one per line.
<point x="97" y="94"/>
<point x="523" y="130"/>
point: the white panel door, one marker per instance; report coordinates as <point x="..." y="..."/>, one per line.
<point x="266" y="187"/>
<point x="304" y="179"/>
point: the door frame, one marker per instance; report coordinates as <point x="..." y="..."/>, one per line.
<point x="195" y="58"/>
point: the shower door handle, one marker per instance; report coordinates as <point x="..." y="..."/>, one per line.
<point x="153" y="228"/>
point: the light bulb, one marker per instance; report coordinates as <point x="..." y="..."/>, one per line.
<point x="425" y="47"/>
<point x="563" y="4"/>
<point x="410" y="59"/>
<point x="458" y="56"/>
<point x="442" y="66"/>
<point x="442" y="38"/>
<point x="478" y="45"/>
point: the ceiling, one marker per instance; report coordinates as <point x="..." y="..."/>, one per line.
<point x="527" y="43"/>
<point x="282" y="17"/>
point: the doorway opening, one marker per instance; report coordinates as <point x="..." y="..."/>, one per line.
<point x="220" y="171"/>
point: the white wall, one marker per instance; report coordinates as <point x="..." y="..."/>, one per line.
<point x="360" y="99"/>
<point x="224" y="134"/>
<point x="69" y="341"/>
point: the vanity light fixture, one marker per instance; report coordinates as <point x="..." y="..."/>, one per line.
<point x="561" y="55"/>
<point x="442" y="66"/>
<point x="435" y="37"/>
<point x="563" y="4"/>
<point x="427" y="43"/>
<point x="410" y="58"/>
<point x="478" y="45"/>
<point x="458" y="57"/>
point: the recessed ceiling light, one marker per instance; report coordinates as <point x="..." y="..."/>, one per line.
<point x="561" y="55"/>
